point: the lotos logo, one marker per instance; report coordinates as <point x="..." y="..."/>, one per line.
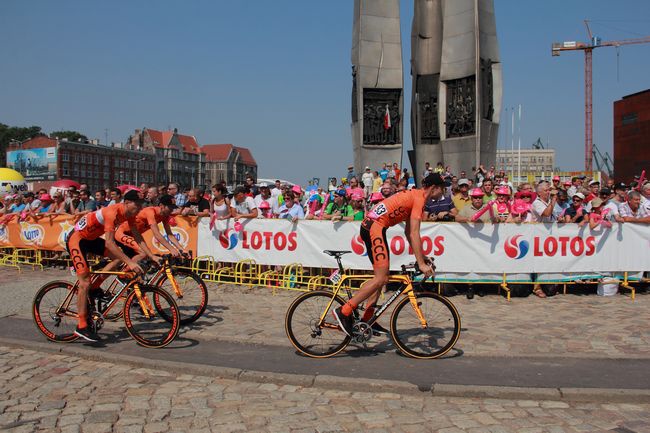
<point x="398" y="245"/>
<point x="32" y="234"/>
<point x="255" y="240"/>
<point x="228" y="239"/>
<point x="180" y="234"/>
<point x="516" y="250"/>
<point x="358" y="246"/>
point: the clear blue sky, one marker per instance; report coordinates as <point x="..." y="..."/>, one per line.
<point x="274" y="76"/>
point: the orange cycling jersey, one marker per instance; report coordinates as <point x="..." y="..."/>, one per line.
<point x="145" y="219"/>
<point x="105" y="220"/>
<point x="397" y="208"/>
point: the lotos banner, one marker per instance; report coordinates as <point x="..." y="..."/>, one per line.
<point x="48" y="232"/>
<point x="480" y="248"/>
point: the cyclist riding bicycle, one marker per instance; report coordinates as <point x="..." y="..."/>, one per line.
<point x="403" y="206"/>
<point x="85" y="238"/>
<point x="148" y="219"/>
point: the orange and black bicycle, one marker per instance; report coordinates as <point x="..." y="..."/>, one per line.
<point x="150" y="313"/>
<point x="423" y="324"/>
<point x="188" y="289"/>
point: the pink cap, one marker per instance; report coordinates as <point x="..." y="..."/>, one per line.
<point x="238" y="226"/>
<point x="503" y="190"/>
<point x="476" y="192"/>
<point x="264" y="205"/>
<point x="296" y="189"/>
<point x="519" y="207"/>
<point x="46" y="197"/>
<point x="376" y="196"/>
<point x="357" y="196"/>
<point x="556" y="177"/>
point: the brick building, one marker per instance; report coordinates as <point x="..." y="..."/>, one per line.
<point x="178" y="157"/>
<point x="631" y="135"/>
<point x="43" y="159"/>
<point x="229" y="163"/>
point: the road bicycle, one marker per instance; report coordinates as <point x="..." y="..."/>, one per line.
<point x="150" y="313"/>
<point x="187" y="287"/>
<point x="423" y="324"/>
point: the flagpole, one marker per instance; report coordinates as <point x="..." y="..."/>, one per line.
<point x="512" y="145"/>
<point x="519" y="149"/>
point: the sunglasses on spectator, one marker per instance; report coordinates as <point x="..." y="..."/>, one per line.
<point x="577" y="199"/>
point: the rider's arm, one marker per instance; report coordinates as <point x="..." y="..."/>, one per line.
<point x="157" y="235"/>
<point x="141" y="242"/>
<point x="412" y="232"/>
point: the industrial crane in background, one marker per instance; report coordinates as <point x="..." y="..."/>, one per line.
<point x="588" y="47"/>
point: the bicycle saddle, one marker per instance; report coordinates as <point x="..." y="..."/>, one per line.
<point x="336" y="253"/>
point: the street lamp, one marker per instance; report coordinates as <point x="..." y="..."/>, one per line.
<point x="137" y="162"/>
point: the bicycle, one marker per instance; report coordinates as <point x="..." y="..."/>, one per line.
<point x="150" y="314"/>
<point x="427" y="330"/>
<point x="188" y="288"/>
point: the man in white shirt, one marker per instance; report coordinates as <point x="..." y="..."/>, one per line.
<point x="277" y="190"/>
<point x="242" y="206"/>
<point x="542" y="208"/>
<point x="367" y="180"/>
<point x="263" y="196"/>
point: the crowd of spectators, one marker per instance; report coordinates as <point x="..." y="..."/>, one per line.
<point x="485" y="196"/>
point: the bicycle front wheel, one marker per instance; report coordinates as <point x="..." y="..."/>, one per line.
<point x="55" y="311"/>
<point x="192" y="298"/>
<point x="148" y="324"/>
<point x="306" y="333"/>
<point x="432" y="339"/>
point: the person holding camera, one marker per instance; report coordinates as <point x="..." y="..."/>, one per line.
<point x="542" y="208"/>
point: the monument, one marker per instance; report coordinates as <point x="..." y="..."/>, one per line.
<point x="456" y="84"/>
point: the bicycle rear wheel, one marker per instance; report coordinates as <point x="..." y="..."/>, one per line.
<point x="55" y="316"/>
<point x="433" y="340"/>
<point x="302" y="325"/>
<point x="194" y="299"/>
<point x="146" y="324"/>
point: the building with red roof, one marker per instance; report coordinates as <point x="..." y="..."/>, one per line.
<point x="178" y="157"/>
<point x="225" y="162"/>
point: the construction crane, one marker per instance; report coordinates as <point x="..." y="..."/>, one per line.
<point x="538" y="144"/>
<point x="588" y="47"/>
<point x="603" y="161"/>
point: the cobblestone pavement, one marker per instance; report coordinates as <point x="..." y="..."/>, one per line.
<point x="564" y="325"/>
<point x="57" y="393"/>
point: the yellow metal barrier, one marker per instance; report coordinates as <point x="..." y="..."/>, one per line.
<point x="8" y="258"/>
<point x="28" y="256"/>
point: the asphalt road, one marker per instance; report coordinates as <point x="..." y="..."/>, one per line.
<point x="379" y="361"/>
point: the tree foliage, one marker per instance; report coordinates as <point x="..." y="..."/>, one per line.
<point x="68" y="135"/>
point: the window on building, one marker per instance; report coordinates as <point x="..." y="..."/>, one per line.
<point x="75" y="157"/>
<point x="65" y="157"/>
<point x="629" y="118"/>
<point x="66" y="172"/>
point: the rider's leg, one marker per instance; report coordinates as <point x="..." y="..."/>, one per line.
<point x="82" y="299"/>
<point x="370" y="288"/>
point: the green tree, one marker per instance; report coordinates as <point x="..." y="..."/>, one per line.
<point x="68" y="135"/>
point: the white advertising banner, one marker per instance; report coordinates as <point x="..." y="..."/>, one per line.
<point x="480" y="248"/>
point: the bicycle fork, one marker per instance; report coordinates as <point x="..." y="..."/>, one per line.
<point x="418" y="312"/>
<point x="176" y="287"/>
<point x="145" y="303"/>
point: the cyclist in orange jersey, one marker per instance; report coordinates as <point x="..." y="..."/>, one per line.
<point x="403" y="206"/>
<point x="148" y="219"/>
<point x="85" y="238"/>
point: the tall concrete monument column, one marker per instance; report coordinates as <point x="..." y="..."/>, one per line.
<point x="377" y="84"/>
<point x="457" y="85"/>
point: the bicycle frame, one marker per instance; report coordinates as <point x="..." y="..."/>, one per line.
<point x="133" y="284"/>
<point x="406" y="289"/>
<point x="165" y="269"/>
